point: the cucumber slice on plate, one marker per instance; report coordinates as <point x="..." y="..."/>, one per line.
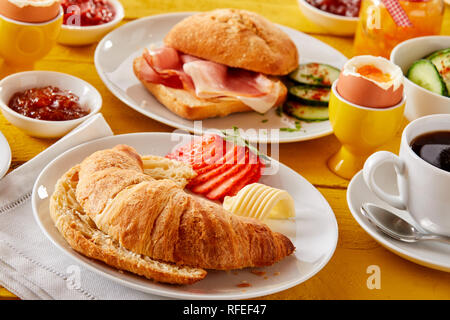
<point x="437" y="53"/>
<point x="441" y="60"/>
<point x="305" y="113"/>
<point x="316" y="74"/>
<point x="425" y="74"/>
<point x="312" y="96"/>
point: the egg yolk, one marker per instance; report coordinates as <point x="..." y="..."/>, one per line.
<point x="373" y="73"/>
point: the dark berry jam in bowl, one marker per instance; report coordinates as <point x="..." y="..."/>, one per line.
<point x="87" y="12"/>
<point x="337" y="17"/>
<point x="47" y="104"/>
<point x="346" y="8"/>
<point x="88" y="21"/>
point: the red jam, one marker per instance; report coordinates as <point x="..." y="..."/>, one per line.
<point x="87" y="12"/>
<point x="48" y="103"/>
<point x="348" y="8"/>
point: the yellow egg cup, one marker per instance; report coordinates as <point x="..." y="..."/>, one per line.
<point x="22" y="44"/>
<point x="361" y="131"/>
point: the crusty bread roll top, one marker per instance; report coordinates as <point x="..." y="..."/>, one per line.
<point x="236" y="38"/>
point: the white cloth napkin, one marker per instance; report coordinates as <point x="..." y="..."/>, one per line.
<point x="30" y="265"/>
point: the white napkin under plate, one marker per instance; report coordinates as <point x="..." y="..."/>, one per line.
<point x="30" y="265"/>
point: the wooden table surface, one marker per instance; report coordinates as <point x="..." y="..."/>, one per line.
<point x="346" y="275"/>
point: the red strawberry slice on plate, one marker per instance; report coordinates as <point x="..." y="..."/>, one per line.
<point x="232" y="153"/>
<point x="249" y="179"/>
<point x="217" y="180"/>
<point x="227" y="187"/>
<point x="222" y="167"/>
<point x="218" y="169"/>
<point x="200" y="152"/>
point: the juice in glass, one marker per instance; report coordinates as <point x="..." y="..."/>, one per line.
<point x="377" y="33"/>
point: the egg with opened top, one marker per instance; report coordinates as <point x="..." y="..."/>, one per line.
<point x="30" y="11"/>
<point x="372" y="82"/>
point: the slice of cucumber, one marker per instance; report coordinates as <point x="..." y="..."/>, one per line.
<point x="316" y="74"/>
<point x="424" y="73"/>
<point x="437" y="53"/>
<point x="312" y="96"/>
<point x="305" y="113"/>
<point x="441" y="60"/>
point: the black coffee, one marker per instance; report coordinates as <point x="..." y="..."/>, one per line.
<point x="434" y="148"/>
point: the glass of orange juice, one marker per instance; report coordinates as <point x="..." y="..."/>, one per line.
<point x="377" y="32"/>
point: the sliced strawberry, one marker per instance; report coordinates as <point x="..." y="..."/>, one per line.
<point x="217" y="180"/>
<point x="200" y="151"/>
<point x="224" y="188"/>
<point x="250" y="178"/>
<point x="230" y="157"/>
<point x="222" y="167"/>
<point x="209" y="174"/>
<point x="203" y="178"/>
<point x="208" y="185"/>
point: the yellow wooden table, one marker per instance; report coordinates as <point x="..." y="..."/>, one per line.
<point x="346" y="275"/>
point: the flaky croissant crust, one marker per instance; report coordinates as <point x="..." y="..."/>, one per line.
<point x="158" y="219"/>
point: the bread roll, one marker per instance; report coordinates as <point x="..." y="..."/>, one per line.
<point x="235" y="38"/>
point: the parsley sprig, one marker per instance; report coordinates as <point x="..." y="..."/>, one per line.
<point x="236" y="138"/>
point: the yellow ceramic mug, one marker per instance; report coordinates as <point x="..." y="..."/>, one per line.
<point x="22" y="44"/>
<point x="361" y="131"/>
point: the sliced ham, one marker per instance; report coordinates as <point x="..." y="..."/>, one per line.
<point x="208" y="79"/>
<point x="165" y="67"/>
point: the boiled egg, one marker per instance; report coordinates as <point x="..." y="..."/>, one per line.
<point x="31" y="11"/>
<point x="372" y="82"/>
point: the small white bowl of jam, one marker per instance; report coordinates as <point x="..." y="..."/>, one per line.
<point x="87" y="21"/>
<point x="47" y="104"/>
<point x="337" y="17"/>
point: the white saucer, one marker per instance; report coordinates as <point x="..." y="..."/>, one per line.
<point x="5" y="155"/>
<point x="432" y="254"/>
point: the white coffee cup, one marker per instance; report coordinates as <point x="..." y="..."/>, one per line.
<point x="424" y="190"/>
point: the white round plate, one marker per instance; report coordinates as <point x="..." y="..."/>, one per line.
<point x="314" y="230"/>
<point x="432" y="254"/>
<point x="5" y="158"/>
<point x="117" y="50"/>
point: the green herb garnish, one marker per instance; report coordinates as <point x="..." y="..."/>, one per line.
<point x="237" y="139"/>
<point x="298" y="126"/>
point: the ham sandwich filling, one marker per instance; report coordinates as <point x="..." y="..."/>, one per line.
<point x="207" y="79"/>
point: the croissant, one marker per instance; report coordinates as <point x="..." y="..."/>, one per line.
<point x="83" y="236"/>
<point x="158" y="219"/>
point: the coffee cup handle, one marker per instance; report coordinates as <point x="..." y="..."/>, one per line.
<point x="369" y="171"/>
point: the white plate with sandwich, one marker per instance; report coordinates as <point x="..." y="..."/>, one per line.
<point x="196" y="72"/>
<point x="151" y="227"/>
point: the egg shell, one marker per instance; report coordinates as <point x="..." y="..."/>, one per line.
<point x="365" y="93"/>
<point x="29" y="13"/>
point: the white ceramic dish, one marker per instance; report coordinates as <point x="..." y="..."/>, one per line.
<point x="80" y="36"/>
<point x="432" y="254"/>
<point x="89" y="96"/>
<point x="314" y="230"/>
<point x="333" y="23"/>
<point x="115" y="53"/>
<point x="5" y="155"/>
<point x="419" y="101"/>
